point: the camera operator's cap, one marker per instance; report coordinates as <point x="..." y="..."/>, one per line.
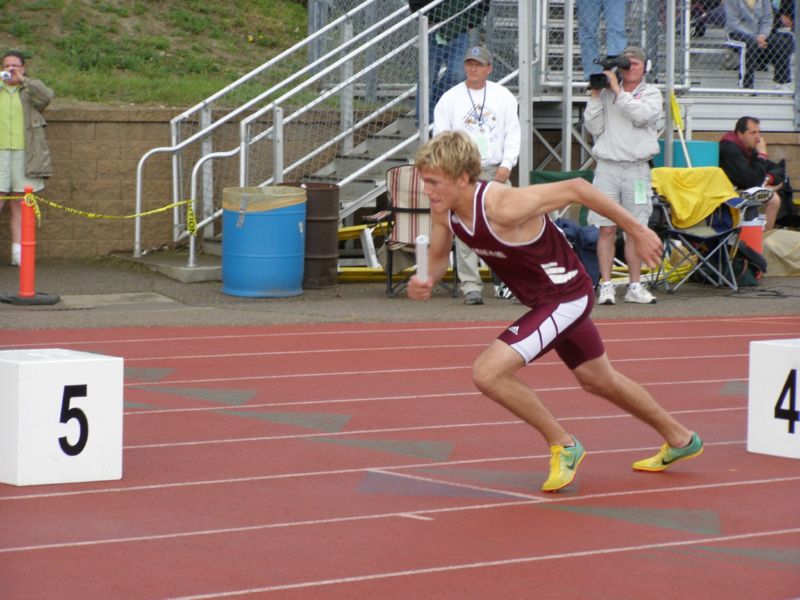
<point x="635" y="52"/>
<point x="479" y="53"/>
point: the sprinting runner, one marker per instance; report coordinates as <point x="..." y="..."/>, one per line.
<point x="509" y="228"/>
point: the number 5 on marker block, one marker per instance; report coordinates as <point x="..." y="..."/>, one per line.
<point x="60" y="416"/>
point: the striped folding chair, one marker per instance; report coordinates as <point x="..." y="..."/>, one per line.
<point x="409" y="211"/>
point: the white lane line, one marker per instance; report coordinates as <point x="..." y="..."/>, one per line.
<point x="312" y="332"/>
<point x="416" y="348"/>
<point x="430" y="328"/>
<point x="494" y="563"/>
<point x="240" y="378"/>
<point x="477" y="488"/>
<point x="457" y="394"/>
<point x="347" y="433"/>
<point x="381" y="516"/>
<point x="328" y="473"/>
<point x="415" y="517"/>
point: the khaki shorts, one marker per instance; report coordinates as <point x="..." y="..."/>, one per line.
<point x="12" y="173"/>
<point x="618" y="180"/>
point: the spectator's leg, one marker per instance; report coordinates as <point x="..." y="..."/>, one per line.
<point x="16" y="220"/>
<point x="606" y="250"/>
<point x="468" y="274"/>
<point x="771" y="211"/>
<point x="716" y="17"/>
<point x="15" y="207"/>
<point x="781" y="47"/>
<point x="457" y="49"/>
<point x="436" y="58"/>
<point x="614" y="17"/>
<point x="751" y="57"/>
<point x="588" y="17"/>
<point x="608" y="177"/>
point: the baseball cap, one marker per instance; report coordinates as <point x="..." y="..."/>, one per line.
<point x="479" y="53"/>
<point x="635" y="52"/>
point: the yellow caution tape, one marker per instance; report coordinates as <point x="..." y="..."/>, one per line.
<point x="33" y="201"/>
<point x="30" y="200"/>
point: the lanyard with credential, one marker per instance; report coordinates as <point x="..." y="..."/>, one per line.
<point x="475" y="108"/>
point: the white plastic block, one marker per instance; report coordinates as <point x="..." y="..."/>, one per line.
<point x="773" y="420"/>
<point x="60" y="416"/>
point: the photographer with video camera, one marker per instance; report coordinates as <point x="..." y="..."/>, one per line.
<point x="622" y="115"/>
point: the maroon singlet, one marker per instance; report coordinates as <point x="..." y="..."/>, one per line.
<point x="542" y="271"/>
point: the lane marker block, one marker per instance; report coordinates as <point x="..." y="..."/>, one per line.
<point x="60" y="416"/>
<point x="773" y="416"/>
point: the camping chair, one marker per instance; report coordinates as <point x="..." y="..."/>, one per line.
<point x="409" y="214"/>
<point x="700" y="225"/>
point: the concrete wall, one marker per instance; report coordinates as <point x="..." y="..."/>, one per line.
<point x="95" y="154"/>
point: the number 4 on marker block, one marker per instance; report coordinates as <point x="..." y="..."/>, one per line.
<point x="788" y="393"/>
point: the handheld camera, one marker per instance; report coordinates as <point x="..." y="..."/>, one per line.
<point x="598" y="81"/>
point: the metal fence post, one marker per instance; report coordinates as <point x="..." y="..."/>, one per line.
<point x="525" y="96"/>
<point x="423" y="86"/>
<point x="207" y="147"/>
<point x="277" y="145"/>
<point x="566" y="90"/>
<point x="346" y="108"/>
<point x="670" y="85"/>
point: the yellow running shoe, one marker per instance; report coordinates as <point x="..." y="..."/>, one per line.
<point x="564" y="461"/>
<point x="669" y="455"/>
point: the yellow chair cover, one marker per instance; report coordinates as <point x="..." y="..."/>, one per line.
<point x="693" y="193"/>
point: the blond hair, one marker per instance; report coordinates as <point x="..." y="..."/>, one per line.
<point x="453" y="152"/>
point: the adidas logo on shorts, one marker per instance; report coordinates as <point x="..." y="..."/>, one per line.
<point x="514" y="329"/>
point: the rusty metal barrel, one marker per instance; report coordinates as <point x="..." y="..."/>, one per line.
<point x="321" y="266"/>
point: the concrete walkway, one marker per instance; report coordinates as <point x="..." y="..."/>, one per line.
<point x="114" y="292"/>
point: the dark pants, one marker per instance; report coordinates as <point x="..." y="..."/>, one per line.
<point x="779" y="50"/>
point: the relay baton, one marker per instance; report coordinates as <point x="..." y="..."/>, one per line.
<point x="422" y="257"/>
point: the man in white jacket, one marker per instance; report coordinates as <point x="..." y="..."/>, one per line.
<point x="487" y="112"/>
<point x="623" y="118"/>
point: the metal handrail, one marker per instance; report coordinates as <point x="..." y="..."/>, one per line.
<point x="343" y="60"/>
<point x="246" y="141"/>
<point x="177" y="146"/>
<point x="344" y="54"/>
<point x="244" y="125"/>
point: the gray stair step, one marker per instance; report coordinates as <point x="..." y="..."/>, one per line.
<point x="404" y="126"/>
<point x="346" y="165"/>
<point x="378" y="144"/>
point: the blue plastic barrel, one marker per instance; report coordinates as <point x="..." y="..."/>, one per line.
<point x="701" y="153"/>
<point x="263" y="241"/>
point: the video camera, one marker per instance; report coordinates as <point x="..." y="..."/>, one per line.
<point x="598" y="81"/>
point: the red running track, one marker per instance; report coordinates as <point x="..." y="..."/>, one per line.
<point x="358" y="461"/>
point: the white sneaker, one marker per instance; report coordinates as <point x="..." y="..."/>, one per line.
<point x="16" y="254"/>
<point x="607" y="293"/>
<point x="638" y="294"/>
<point x="502" y="291"/>
<point x="757" y="194"/>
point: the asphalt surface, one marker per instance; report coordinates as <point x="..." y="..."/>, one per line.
<point x="114" y="292"/>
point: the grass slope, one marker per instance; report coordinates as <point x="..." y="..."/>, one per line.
<point x="166" y="52"/>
